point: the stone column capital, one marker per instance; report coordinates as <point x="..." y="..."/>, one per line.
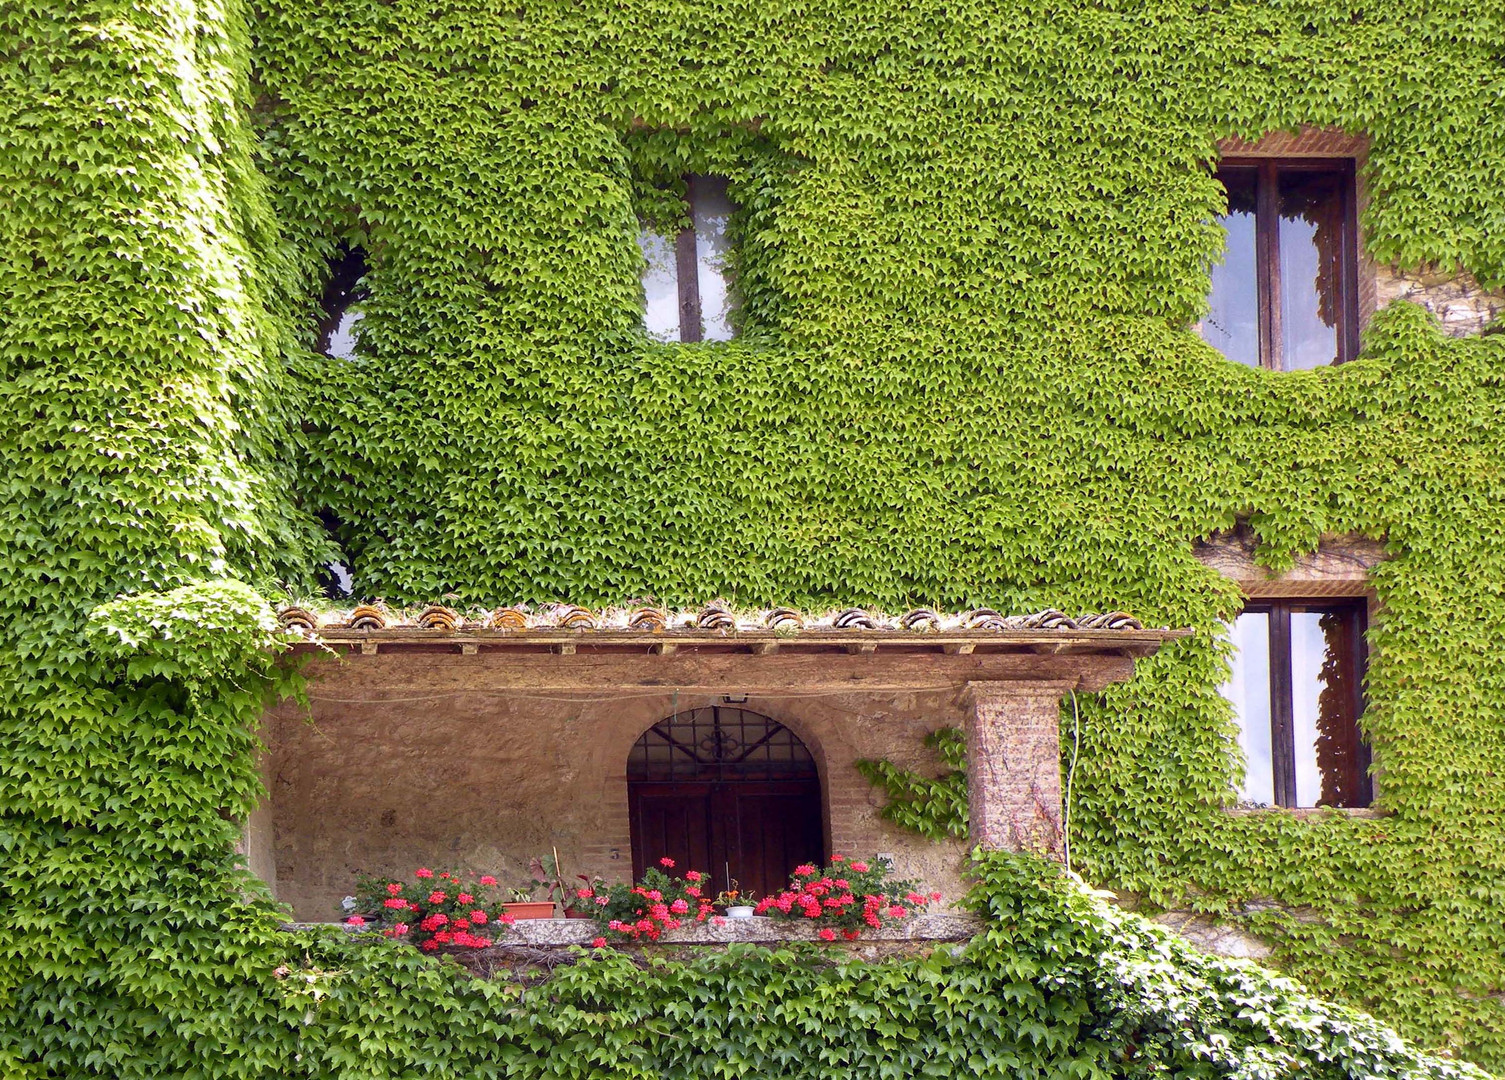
<point x="976" y="692"/>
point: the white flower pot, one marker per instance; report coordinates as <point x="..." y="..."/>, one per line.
<point x="740" y="911"/>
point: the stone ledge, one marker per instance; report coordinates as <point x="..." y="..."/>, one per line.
<point x="758" y="930"/>
<point x="1311" y="813"/>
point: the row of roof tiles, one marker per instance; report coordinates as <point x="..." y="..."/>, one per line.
<point x="712" y="617"/>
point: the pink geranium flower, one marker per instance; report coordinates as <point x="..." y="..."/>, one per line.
<point x="666" y="862"/>
<point x="487" y="879"/>
<point x="423" y="872"/>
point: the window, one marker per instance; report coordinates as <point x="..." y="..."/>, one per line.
<point x="1285" y="296"/>
<point x="343" y="296"/>
<point x="1296" y="688"/>
<point x="685" y="285"/>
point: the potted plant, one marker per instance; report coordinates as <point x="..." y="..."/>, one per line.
<point x="845" y="897"/>
<point x="657" y="903"/>
<point x="576" y="901"/>
<point x="521" y="905"/>
<point x="736" y="903"/>
<point x="431" y="911"/>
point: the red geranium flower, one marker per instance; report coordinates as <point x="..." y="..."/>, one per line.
<point x="423" y="872"/>
<point x="487" y="879"/>
<point x="666" y="862"/>
<point x="598" y="943"/>
<point x="827" y="934"/>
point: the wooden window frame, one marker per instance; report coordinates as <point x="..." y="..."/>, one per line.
<point x="1267" y="249"/>
<point x="1282" y="697"/>
<point x="687" y="269"/>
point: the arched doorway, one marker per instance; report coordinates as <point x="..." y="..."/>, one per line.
<point x="727" y="791"/>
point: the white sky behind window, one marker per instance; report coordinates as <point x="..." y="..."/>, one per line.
<point x="660" y="285"/>
<point x="346" y="336"/>
<point x="1248" y="688"/>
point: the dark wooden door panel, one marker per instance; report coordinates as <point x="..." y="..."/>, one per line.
<point x="755" y="832"/>
<point x="774" y="831"/>
<point x="671" y="820"/>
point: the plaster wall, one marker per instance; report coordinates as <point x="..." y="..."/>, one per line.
<point x="393" y="769"/>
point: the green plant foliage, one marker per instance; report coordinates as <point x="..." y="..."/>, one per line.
<point x="933" y="806"/>
<point x="971" y="241"/>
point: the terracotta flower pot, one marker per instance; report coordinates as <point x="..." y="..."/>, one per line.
<point x="571" y="913"/>
<point x="530" y="909"/>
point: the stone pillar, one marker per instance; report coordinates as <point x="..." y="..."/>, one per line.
<point x="1014" y="765"/>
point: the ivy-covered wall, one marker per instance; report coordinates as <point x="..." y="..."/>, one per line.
<point x="973" y="239"/>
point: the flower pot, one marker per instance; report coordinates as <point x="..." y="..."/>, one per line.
<point x="740" y="911"/>
<point x="571" y="913"/>
<point x="530" y="909"/>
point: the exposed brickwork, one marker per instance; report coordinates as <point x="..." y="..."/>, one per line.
<point x="1014" y="766"/>
<point x="1306" y="142"/>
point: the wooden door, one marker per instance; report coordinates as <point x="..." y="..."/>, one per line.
<point x="726" y="791"/>
<point x="754" y="832"/>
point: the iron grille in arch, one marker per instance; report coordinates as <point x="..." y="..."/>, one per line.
<point x="719" y="744"/>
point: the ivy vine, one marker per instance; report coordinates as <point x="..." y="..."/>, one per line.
<point x="971" y="241"/>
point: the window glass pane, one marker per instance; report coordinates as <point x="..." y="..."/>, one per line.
<point x="660" y="285"/>
<point x="1248" y="688"/>
<point x="343" y="294"/>
<point x="1324" y="693"/>
<point x="345" y="336"/>
<point x="1311" y="267"/>
<point x="1232" y="323"/>
<point x="711" y="211"/>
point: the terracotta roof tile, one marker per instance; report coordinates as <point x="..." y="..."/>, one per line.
<point x="520" y="618"/>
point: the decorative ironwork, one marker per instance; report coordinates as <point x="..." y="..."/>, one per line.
<point x="722" y="744"/>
